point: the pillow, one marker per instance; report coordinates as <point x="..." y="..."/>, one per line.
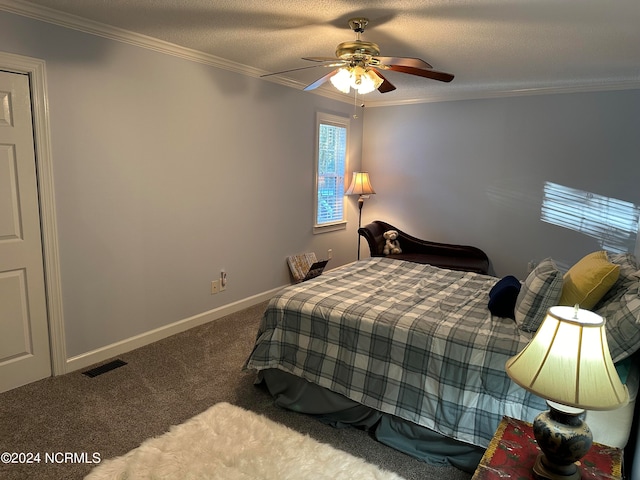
<point x="622" y="369"/>
<point x="628" y="264"/>
<point x="503" y="296"/>
<point x="541" y="290"/>
<point x="629" y="274"/>
<point x="589" y="280"/>
<point x="622" y="315"/>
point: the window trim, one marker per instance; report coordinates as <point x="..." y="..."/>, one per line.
<point x="337" y="121"/>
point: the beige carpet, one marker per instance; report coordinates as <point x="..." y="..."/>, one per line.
<point x="227" y="442"/>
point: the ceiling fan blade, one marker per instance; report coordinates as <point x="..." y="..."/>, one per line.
<point x="322" y="59"/>
<point x="337" y="64"/>
<point x="404" y="61"/>
<point x="291" y="70"/>
<point x="386" y="86"/>
<point x="432" y="74"/>
<point x="320" y="81"/>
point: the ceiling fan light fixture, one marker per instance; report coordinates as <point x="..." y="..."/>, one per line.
<point x="363" y="80"/>
<point x="342" y="80"/>
<point x="369" y="81"/>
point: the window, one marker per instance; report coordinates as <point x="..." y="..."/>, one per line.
<point x="331" y="160"/>
<point x="613" y="222"/>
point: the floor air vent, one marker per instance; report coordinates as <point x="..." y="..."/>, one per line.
<point x="107" y="367"/>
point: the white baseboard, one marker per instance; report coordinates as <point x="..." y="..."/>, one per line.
<point x="123" y="346"/>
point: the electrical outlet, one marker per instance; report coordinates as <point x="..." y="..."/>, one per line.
<point x="223" y="280"/>
<point x="215" y="287"/>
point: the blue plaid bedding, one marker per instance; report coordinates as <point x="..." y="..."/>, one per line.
<point x="407" y="339"/>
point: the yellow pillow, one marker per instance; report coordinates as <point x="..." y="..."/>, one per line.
<point x="588" y="280"/>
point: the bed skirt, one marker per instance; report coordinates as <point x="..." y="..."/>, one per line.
<point x="299" y="395"/>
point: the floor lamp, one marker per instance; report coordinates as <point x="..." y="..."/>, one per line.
<point x="361" y="186"/>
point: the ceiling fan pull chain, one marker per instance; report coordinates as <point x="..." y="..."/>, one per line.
<point x="355" y="103"/>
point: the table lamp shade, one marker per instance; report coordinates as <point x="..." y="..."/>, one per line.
<point x="568" y="362"/>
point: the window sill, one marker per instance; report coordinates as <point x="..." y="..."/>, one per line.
<point x="331" y="227"/>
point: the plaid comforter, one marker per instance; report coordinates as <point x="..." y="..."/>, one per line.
<point x="410" y="340"/>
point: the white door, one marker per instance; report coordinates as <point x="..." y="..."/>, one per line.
<point x="24" y="335"/>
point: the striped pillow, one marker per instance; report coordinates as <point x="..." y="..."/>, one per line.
<point x="541" y="290"/>
<point x="622" y="314"/>
<point x="629" y="274"/>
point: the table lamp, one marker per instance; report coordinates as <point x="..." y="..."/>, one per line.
<point x="569" y="365"/>
<point x="360" y="185"/>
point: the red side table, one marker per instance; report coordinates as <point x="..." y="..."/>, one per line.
<point x="513" y="451"/>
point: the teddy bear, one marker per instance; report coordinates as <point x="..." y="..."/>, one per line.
<point x="392" y="245"/>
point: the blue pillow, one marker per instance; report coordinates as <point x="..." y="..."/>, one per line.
<point x="503" y="296"/>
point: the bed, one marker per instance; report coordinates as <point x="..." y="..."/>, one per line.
<point x="413" y="353"/>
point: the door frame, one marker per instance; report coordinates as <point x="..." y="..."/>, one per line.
<point x="35" y="68"/>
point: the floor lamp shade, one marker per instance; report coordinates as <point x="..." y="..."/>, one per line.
<point x="360" y="185"/>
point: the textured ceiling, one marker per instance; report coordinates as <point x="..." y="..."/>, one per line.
<point x="499" y="47"/>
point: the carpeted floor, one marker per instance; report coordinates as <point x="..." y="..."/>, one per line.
<point x="73" y="419"/>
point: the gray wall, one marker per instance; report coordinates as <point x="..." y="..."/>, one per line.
<point x="166" y="171"/>
<point x="472" y="172"/>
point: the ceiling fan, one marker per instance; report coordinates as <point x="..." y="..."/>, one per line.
<point x="358" y="65"/>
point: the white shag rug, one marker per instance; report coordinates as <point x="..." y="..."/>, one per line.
<point x="229" y="443"/>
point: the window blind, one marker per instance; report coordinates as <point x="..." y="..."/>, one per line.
<point x="332" y="151"/>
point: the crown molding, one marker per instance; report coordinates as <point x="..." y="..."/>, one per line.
<point x="81" y="24"/>
<point x="74" y="22"/>
<point x="481" y="94"/>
